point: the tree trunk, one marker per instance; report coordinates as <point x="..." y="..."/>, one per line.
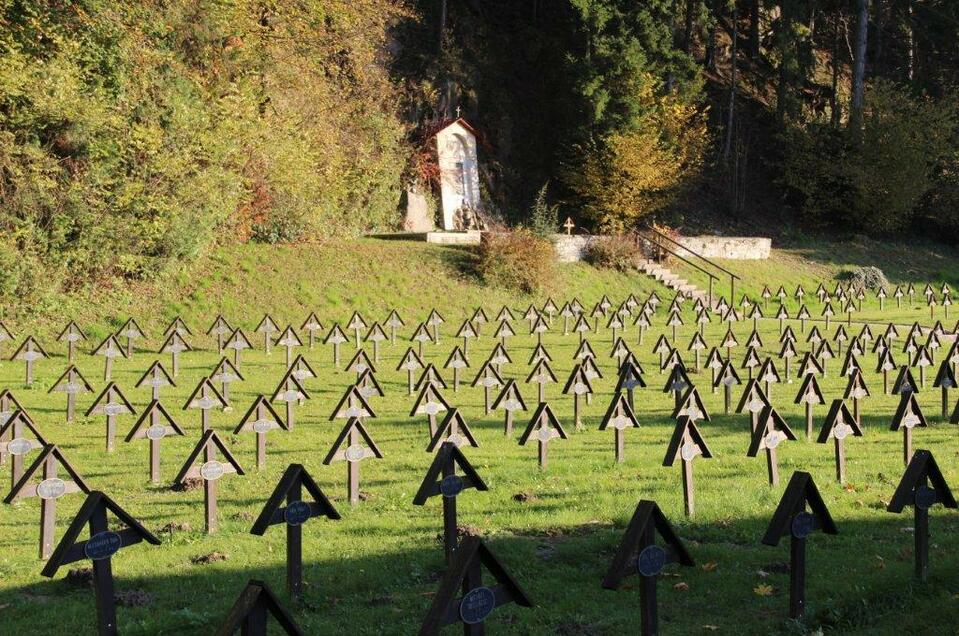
<point x="910" y="45"/>
<point x="835" y="115"/>
<point x="730" y="119"/>
<point x="711" y="38"/>
<point x="442" y="29"/>
<point x="753" y="48"/>
<point x="688" y="26"/>
<point x="859" y="67"/>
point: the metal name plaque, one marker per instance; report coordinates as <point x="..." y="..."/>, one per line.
<point x="211" y="470"/>
<point x="651" y="560"/>
<point x="803" y="525"/>
<point x="354" y="453"/>
<point x="297" y="513"/>
<point x="52" y="488"/>
<point x="477" y="605"/>
<point x="102" y="545"/>
<point x="451" y="485"/>
<point x="156" y="432"/>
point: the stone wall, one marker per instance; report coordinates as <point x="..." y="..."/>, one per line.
<point x="572" y="248"/>
<point x="731" y="247"/>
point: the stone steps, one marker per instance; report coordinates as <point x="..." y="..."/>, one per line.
<point x="664" y="275"/>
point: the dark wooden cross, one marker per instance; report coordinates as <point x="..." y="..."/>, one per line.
<point x="476" y="601"/>
<point x="72" y="383"/>
<point x="577" y="385"/>
<point x="809" y="396"/>
<point x="541" y="375"/>
<point x="410" y="362"/>
<point x="267" y="326"/>
<point x="312" y="325"/>
<point x="252" y="610"/>
<point x="430" y="402"/>
<point x="72" y="334"/>
<point x="487" y="377"/>
<point x="48" y="489"/>
<point x="260" y="418"/>
<point x="792" y="518"/>
<point x="154" y="424"/>
<point x="109" y="349"/>
<point x="175" y="344"/>
<point x="110" y="403"/>
<point x="209" y="471"/>
<point x="204" y="398"/>
<point x="29" y="352"/>
<point x="225" y="373"/>
<point x="131" y="331"/>
<point x="353" y="445"/>
<point x="619" y="416"/>
<point x="441" y="479"/>
<point x="686" y="444"/>
<point x="752" y="401"/>
<point x="356" y="324"/>
<point x="771" y="431"/>
<point x="100" y="547"/>
<point x="456" y="361"/>
<point x="238" y="342"/>
<point x="156" y="377"/>
<point x="914" y="490"/>
<point x="454" y="430"/>
<point x="638" y="553"/>
<point x="839" y="425"/>
<point x="511" y="401"/>
<point x="907" y="417"/>
<point x="289" y="341"/>
<point x="352" y="404"/>
<point x="394" y="322"/>
<point x="543" y="427"/>
<point x="376" y="335"/>
<point x="218" y="330"/>
<point x="293" y="515"/>
<point x="290" y="392"/>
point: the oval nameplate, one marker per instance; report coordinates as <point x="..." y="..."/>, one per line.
<point x="354" y="453"/>
<point x="102" y="545"/>
<point x="211" y="470"/>
<point x="297" y="513"/>
<point x="651" y="560"/>
<point x="156" y="432"/>
<point x="925" y="497"/>
<point x="19" y="446"/>
<point x="52" y="488"/>
<point x="451" y="485"/>
<point x="477" y="605"/>
<point x="803" y="525"/>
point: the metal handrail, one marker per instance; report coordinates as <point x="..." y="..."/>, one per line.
<point x="711" y="276"/>
<point x="732" y="277"/>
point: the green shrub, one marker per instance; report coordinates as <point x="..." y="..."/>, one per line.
<point x="543" y="217"/>
<point x="612" y="252"/>
<point x="517" y="260"/>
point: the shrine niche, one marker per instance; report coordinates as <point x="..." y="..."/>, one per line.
<point x="458" y="175"/>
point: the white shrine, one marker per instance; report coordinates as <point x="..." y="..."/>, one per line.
<point x="459" y="175"/>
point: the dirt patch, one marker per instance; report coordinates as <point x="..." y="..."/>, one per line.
<point x="80" y="577"/>
<point x="524" y="497"/>
<point x="133" y="598"/>
<point x="176" y="526"/>
<point x="212" y="557"/>
<point x="187" y="485"/>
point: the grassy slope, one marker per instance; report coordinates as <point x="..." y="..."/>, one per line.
<point x="374" y="571"/>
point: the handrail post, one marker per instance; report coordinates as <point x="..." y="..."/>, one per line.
<point x="710" y="293"/>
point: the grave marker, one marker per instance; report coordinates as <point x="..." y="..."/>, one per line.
<point x="251" y="611"/>
<point x="210" y="471"/>
<point x="175" y="345"/>
<point x="293" y="515"/>
<point x="619" y="416"/>
<point x="376" y="335"/>
<point x="541" y="375"/>
<point x="543" y="427"/>
<point x="753" y="400"/>
<point x="441" y="479"/>
<point x="267" y="326"/>
<point x="430" y="401"/>
<point x="809" y="395"/>
<point x="769" y="375"/>
<point x="839" y="425"/>
<point x="478" y="600"/>
<point x="156" y="377"/>
<point x="312" y="325"/>
<point x="71" y="334"/>
<point x="50" y="488"/>
<point x="289" y="391"/>
<point x="218" y="329"/>
<point x="945" y="380"/>
<point x="577" y="385"/>
<point x="487" y="377"/>
<point x="289" y="341"/>
<point x="238" y="342"/>
<point x="110" y="403"/>
<point x="914" y="490"/>
<point x="109" y="349"/>
<point x="792" y="518"/>
<point x="908" y="416"/>
<point x="856" y="390"/>
<point x="352" y="404"/>
<point x="178" y="325"/>
<point x="260" y="418"/>
<point x="29" y="352"/>
<point x="394" y="322"/>
<point x="154" y="424"/>
<point x="73" y="383"/>
<point x="5" y="333"/>
<point x="771" y="430"/>
<point x="15" y="444"/>
<point x="479" y="319"/>
<point x="131" y="331"/>
<point x="510" y="400"/>
<point x="630" y="378"/>
<point x="686" y="444"/>
<point x="205" y="397"/>
<point x="727" y="378"/>
<point x="226" y="374"/>
<point x="454" y="430"/>
<point x="99" y="548"/>
<point x="348" y="447"/>
<point x="638" y="553"/>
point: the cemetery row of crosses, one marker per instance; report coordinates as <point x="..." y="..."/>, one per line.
<point x="891" y="358"/>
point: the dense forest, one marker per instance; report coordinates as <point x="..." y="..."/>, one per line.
<point x="136" y="135"/>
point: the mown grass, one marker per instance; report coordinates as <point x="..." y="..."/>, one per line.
<point x="375" y="570"/>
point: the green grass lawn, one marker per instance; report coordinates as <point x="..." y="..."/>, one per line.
<point x="556" y="531"/>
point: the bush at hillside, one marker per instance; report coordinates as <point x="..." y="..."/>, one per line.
<point x="612" y="252"/>
<point x="136" y="134"/>
<point x="517" y="260"/>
